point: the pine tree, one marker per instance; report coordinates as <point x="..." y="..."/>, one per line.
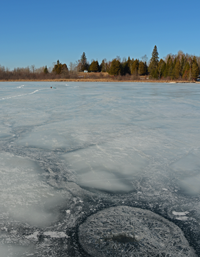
<point x="83" y="62"/>
<point x="103" y="66"/>
<point x="134" y="67"/>
<point x="129" y="62"/>
<point x="115" y="68"/>
<point x="83" y="58"/>
<point x="161" y="68"/>
<point x="64" y="71"/>
<point x="94" y="66"/>
<point x="195" y="69"/>
<point x="183" y="61"/>
<point x="171" y="70"/>
<point x="177" y="70"/>
<point x="153" y="66"/>
<point x="57" y="67"/>
<point x="125" y="68"/>
<point x="168" y="69"/>
<point x="142" y="68"/>
<point x="46" y="70"/>
<point x="60" y="68"/>
<point x="186" y="71"/>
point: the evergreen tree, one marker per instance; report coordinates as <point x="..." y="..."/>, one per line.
<point x="126" y="67"/>
<point x="177" y="69"/>
<point x="142" y="68"/>
<point x="115" y="68"/>
<point x="186" y="71"/>
<point x="59" y="67"/>
<point x="171" y="70"/>
<point x="129" y="62"/>
<point x="134" y="67"/>
<point x="169" y="67"/>
<point x="161" y="68"/>
<point x="94" y="66"/>
<point x="46" y="70"/>
<point x="153" y="66"/>
<point x="183" y="61"/>
<point x="83" y="62"/>
<point x="195" y="69"/>
<point x="83" y="58"/>
<point x="198" y="61"/>
<point x="64" y="71"/>
<point x="103" y="65"/>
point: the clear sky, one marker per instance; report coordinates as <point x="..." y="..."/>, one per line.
<point x="42" y="32"/>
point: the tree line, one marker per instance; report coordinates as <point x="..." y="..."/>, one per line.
<point x="173" y="67"/>
<point x="180" y="66"/>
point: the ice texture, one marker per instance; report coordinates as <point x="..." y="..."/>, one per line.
<point x="24" y="194"/>
<point x="132" y="232"/>
<point x="107" y="167"/>
<point x="77" y="150"/>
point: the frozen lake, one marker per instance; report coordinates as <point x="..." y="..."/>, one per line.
<point x="99" y="169"/>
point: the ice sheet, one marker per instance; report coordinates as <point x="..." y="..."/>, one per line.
<point x="70" y="151"/>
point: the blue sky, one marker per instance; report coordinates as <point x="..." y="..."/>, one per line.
<point x="41" y="32"/>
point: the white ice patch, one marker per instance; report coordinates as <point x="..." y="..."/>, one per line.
<point x="180" y="215"/>
<point x="107" y="167"/>
<point x="54" y="234"/>
<point x="46" y="139"/>
<point x="24" y="195"/>
<point x="183" y="218"/>
<point x="20" y="86"/>
<point x="33" y="236"/>
<point x="52" y="137"/>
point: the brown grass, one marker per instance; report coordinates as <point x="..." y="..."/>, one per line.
<point x="98" y="80"/>
<point x="101" y="77"/>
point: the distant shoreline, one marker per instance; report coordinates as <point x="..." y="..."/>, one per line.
<point x="101" y="80"/>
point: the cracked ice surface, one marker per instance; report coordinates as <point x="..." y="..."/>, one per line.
<point x="70" y="153"/>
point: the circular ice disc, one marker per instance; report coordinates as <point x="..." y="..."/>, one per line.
<point x="127" y="231"/>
